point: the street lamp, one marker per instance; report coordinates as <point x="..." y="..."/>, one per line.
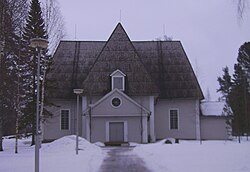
<point x="77" y="92"/>
<point x="38" y="43"/>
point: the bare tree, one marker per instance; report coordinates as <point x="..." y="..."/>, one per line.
<point x="19" y="13"/>
<point x="54" y="23"/>
<point x="164" y="38"/>
<point x="208" y="96"/>
<point x="242" y="7"/>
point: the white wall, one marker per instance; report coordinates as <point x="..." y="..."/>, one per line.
<point x="98" y="128"/>
<point x="51" y="128"/>
<point x="214" y="128"/>
<point x="187" y="118"/>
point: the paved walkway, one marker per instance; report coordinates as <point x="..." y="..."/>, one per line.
<point x="122" y="159"/>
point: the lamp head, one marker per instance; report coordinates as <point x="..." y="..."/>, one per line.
<point x="39" y="43"/>
<point x="78" y="91"/>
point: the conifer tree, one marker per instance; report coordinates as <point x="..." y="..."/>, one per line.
<point x="244" y="58"/>
<point x="244" y="61"/>
<point x="236" y="91"/>
<point x="225" y="83"/>
<point x="35" y="28"/>
<point x="11" y="13"/>
<point x="237" y="100"/>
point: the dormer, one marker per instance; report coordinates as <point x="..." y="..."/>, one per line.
<point x="118" y="80"/>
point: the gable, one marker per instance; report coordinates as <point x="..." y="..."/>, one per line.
<point x="127" y="107"/>
<point x="117" y="73"/>
<point x="119" y="53"/>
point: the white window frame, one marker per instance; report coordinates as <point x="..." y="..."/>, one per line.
<point x="178" y="119"/>
<point x="123" y="84"/>
<point x="118" y="74"/>
<point x="112" y="103"/>
<point x="61" y="119"/>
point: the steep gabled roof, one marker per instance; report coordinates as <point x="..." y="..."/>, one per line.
<point x="119" y="53"/>
<point x="169" y="66"/>
<point x="150" y="67"/>
<point x="71" y="64"/>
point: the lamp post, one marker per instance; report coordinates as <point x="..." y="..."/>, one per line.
<point x="38" y="43"/>
<point x="77" y="92"/>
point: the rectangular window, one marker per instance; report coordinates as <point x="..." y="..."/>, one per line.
<point x="118" y="83"/>
<point x="173" y="115"/>
<point x="65" y="119"/>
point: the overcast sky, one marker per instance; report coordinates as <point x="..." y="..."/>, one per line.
<point x="208" y="29"/>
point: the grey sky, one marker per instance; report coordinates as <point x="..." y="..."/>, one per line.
<point x="208" y="30"/>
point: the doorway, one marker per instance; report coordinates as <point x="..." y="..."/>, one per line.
<point x="116" y="132"/>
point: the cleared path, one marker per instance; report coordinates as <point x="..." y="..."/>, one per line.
<point x="122" y="159"/>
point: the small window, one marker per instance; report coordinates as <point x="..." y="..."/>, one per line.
<point x="118" y="83"/>
<point x="173" y="114"/>
<point x="118" y="80"/>
<point x="64" y="119"/>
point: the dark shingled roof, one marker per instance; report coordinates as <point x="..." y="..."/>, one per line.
<point x="151" y="67"/>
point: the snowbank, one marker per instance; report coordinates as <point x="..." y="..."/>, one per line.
<point x="100" y="144"/>
<point x="68" y="143"/>
<point x="191" y="156"/>
<point x="56" y="156"/>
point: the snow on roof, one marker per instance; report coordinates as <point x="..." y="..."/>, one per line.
<point x="212" y="108"/>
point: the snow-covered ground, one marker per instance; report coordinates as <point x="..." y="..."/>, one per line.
<point x="191" y="156"/>
<point x="56" y="156"/>
<point x="188" y="156"/>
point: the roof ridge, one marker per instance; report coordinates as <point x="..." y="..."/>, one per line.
<point x="155" y="41"/>
<point x="133" y="41"/>
<point x="80" y="41"/>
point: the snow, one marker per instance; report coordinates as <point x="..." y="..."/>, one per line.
<point x="212" y="108"/>
<point x="100" y="144"/>
<point x="56" y="156"/>
<point x="210" y="156"/>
